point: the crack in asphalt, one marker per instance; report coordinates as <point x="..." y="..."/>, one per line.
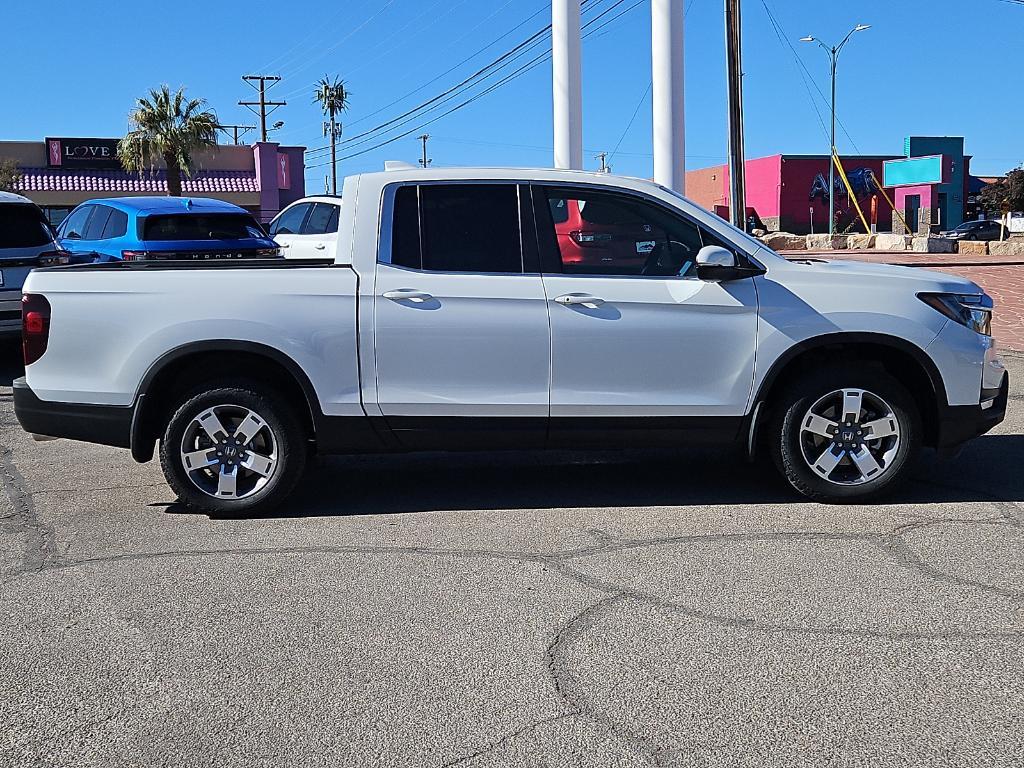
<point x="497" y="744"/>
<point x="40" y="550"/>
<point x="41" y="554"/>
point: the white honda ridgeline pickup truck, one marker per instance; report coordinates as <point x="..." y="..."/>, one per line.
<point x="486" y="309"/>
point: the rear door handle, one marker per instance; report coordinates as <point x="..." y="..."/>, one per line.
<point x="407" y="294"/>
<point x="319" y="246"/>
<point x="574" y="299"/>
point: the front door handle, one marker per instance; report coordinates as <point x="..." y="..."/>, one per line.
<point x="575" y="299"/>
<point x="319" y="246"/>
<point x="407" y="294"/>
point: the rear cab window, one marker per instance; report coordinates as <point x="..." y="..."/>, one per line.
<point x="470" y="228"/>
<point x="201" y="226"/>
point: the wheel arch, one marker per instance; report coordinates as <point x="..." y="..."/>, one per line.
<point x="192" y="363"/>
<point x="901" y="358"/>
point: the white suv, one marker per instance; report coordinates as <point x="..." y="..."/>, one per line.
<point x="307" y="229"/>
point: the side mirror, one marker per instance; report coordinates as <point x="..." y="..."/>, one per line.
<point x="716" y="264"/>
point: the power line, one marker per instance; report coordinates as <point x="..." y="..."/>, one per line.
<point x="508" y="78"/>
<point x="784" y="38"/>
<point x="629" y="125"/>
<point x="491" y="68"/>
<point x="309" y="60"/>
<point x="478" y="77"/>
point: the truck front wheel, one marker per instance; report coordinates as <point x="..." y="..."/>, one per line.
<point x="233" y="449"/>
<point x="845" y="435"/>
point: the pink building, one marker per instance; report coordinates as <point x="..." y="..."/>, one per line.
<point x="790" y="192"/>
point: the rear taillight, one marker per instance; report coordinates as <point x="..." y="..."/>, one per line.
<point x="35" y="326"/>
<point x="133" y="255"/>
<point x="53" y="258"/>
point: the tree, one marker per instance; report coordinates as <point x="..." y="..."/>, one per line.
<point x="1005" y="193"/>
<point x="169" y="127"/>
<point x="9" y="174"/>
<point x="332" y="95"/>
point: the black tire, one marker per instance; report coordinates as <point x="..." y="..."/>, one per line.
<point x="282" y="429"/>
<point x="787" y="439"/>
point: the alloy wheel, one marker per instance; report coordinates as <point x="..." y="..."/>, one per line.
<point x="850" y="437"/>
<point x="229" y="452"/>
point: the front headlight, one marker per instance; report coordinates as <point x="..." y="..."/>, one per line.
<point x="972" y="310"/>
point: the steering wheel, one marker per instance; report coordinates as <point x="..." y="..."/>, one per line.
<point x="660" y="262"/>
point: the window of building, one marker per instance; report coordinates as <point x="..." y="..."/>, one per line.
<point x="458" y="228"/>
<point x="606" y="233"/>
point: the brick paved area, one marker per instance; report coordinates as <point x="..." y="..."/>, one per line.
<point x="1005" y="284"/>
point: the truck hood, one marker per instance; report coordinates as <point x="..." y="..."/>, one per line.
<point x="863" y="274"/>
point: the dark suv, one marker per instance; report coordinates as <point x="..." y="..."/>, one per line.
<point x="26" y="241"/>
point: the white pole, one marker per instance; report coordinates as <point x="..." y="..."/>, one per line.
<point x="566" y="78"/>
<point x="667" y="73"/>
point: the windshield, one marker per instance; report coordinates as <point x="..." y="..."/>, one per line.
<point x="23" y="226"/>
<point x="202" y="226"/>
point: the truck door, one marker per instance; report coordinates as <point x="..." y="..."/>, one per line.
<point x="460" y="318"/>
<point x="642" y="350"/>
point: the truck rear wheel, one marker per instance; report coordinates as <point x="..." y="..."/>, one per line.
<point x="233" y="449"/>
<point x="845" y="435"/>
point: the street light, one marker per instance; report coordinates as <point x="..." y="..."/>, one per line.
<point x="833" y="54"/>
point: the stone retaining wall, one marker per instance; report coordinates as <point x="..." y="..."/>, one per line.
<point x="784" y="241"/>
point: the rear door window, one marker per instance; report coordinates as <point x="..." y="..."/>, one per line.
<point x="322" y="220"/>
<point x="290" y="222"/>
<point x="23" y="226"/>
<point x="201" y="226"/>
<point x="116" y="226"/>
<point x="98" y="220"/>
<point x="458" y="228"/>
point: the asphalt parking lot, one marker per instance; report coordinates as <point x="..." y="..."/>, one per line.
<point x="512" y="609"/>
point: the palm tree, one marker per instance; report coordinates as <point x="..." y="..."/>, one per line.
<point x="332" y="95"/>
<point x="169" y="127"/>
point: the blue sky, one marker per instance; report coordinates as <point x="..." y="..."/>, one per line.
<point x="925" y="67"/>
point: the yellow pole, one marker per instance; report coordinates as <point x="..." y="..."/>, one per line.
<point x="890" y="202"/>
<point x="849" y="191"/>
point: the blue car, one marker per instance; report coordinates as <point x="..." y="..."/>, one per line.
<point x="163" y="228"/>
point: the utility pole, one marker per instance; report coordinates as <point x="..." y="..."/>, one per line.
<point x="425" y="161"/>
<point x="332" y="128"/>
<point x="235" y="130"/>
<point x="737" y="163"/>
<point x="603" y="157"/>
<point x="262" y="104"/>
